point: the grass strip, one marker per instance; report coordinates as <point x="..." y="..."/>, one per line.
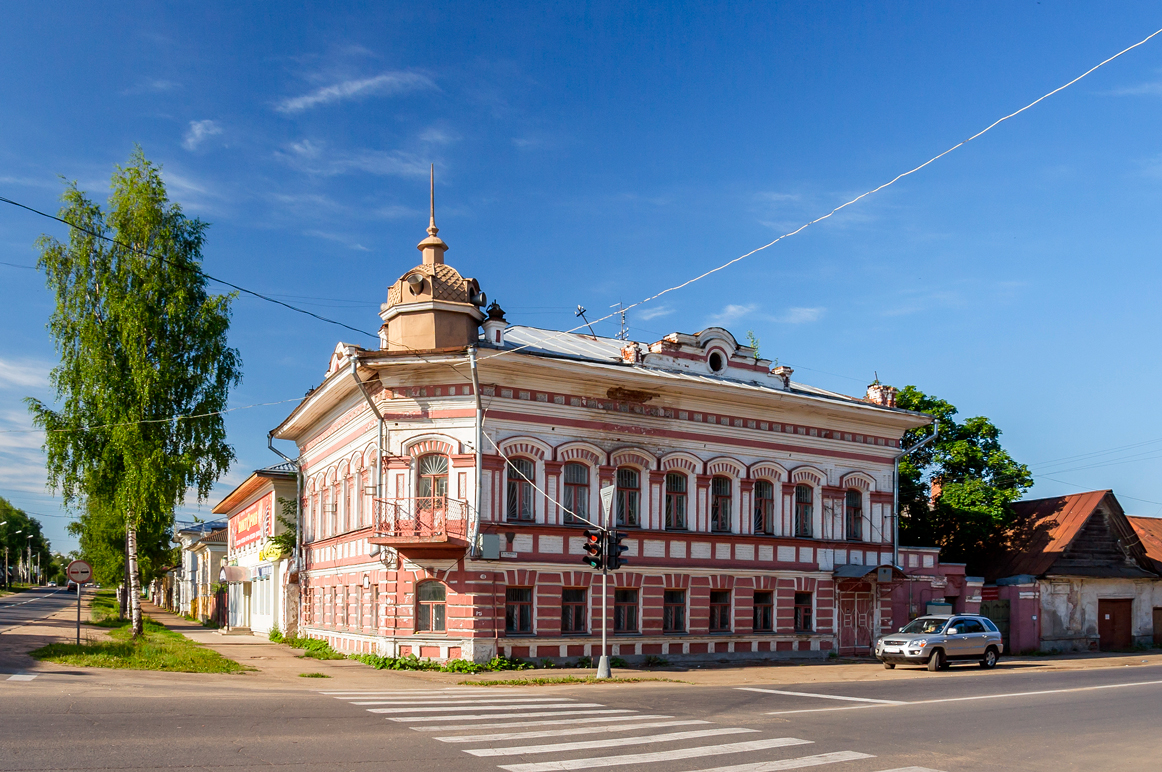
<point x="158" y="648"/>
<point x="549" y="681"/>
<point x="313" y="675"/>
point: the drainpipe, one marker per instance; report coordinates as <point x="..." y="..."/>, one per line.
<point x="378" y="434"/>
<point x="474" y="526"/>
<point x="896" y="489"/>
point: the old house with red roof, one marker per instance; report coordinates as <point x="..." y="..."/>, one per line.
<point x="1077" y="578"/>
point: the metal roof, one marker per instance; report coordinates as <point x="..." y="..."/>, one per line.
<point x="854" y="571"/>
<point x="1149" y="530"/>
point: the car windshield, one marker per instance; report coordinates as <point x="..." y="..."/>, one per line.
<point x="925" y="626"/>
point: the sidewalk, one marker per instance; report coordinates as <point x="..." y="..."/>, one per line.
<point x="279" y="662"/>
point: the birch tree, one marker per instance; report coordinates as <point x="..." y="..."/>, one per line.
<point x="145" y="367"/>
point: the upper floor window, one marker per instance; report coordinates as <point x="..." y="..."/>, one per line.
<point x="430" y="598"/>
<point x="432" y="476"/>
<point x="675" y="501"/>
<point x="804" y="510"/>
<point x="764" y="507"/>
<point x="628" y="496"/>
<point x="520" y="489"/>
<point x="576" y="498"/>
<point x="853" y="510"/>
<point x="720" y="504"/>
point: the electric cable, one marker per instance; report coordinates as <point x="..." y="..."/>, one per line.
<point x="151" y="420"/>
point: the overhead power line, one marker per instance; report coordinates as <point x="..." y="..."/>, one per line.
<point x="844" y="205"/>
<point x="152" y="420"/>
<point x="196" y="269"/>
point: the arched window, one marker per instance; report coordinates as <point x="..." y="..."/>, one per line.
<point x="675" y="502"/>
<point x="628" y="497"/>
<point x="764" y="507"/>
<point x="430" y="598"/>
<point x="520" y="489"/>
<point x="576" y="498"/>
<point x="804" y="510"/>
<point x="432" y="476"/>
<point x="853" y="511"/>
<point x="720" y="504"/>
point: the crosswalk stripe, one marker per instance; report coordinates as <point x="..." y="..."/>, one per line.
<point x="404" y="693"/>
<point x="606" y="742"/>
<point x="508" y="724"/>
<point x="486" y="707"/>
<point x="474" y="738"/>
<point x="481" y="701"/>
<point x="799" y="763"/>
<point x="911" y="769"/>
<point x="501" y="715"/>
<point x="650" y="758"/>
<point x="21" y="676"/>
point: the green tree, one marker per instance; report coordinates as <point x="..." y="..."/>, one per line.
<point x="974" y="479"/>
<point x="141" y="342"/>
<point x="14" y="537"/>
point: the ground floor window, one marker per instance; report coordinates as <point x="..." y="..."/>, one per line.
<point x="625" y="611"/>
<point x="430" y="597"/>
<point x="720" y="611"/>
<point x="518" y="610"/>
<point x="674" y="611"/>
<point x="573" y="611"/>
<point x="764" y="612"/>
<point x="804" y="621"/>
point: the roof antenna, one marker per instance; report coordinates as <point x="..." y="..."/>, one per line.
<point x="623" y="333"/>
<point x="581" y="313"/>
<point x="432" y="229"/>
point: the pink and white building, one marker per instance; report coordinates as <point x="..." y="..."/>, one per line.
<point x="758" y="509"/>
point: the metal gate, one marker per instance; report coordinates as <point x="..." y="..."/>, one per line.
<point x="998" y="612"/>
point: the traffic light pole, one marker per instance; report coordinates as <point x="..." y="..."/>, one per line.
<point x="603" y="663"/>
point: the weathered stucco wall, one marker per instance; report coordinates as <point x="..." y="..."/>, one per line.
<point x="1069" y="610"/>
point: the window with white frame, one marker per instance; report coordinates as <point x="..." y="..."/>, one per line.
<point x="804" y="510"/>
<point x="628" y="497"/>
<point x="853" y="515"/>
<point x="720" y="501"/>
<point x="520" y="473"/>
<point x="676" y="501"/>
<point x="764" y="507"/>
<point x="576" y="493"/>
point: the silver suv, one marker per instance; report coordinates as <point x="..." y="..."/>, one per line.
<point x="939" y="639"/>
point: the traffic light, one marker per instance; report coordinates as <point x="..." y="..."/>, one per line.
<point x="594" y="547"/>
<point x="613" y="558"/>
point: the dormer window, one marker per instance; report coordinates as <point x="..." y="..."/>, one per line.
<point x="717" y="362"/>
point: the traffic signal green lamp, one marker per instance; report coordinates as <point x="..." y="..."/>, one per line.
<point x="613" y="558"/>
<point x="594" y="548"/>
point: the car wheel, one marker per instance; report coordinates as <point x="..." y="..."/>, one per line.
<point x="889" y="666"/>
<point x="936" y="661"/>
<point x="990" y="658"/>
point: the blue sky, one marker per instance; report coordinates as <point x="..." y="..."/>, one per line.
<point x="600" y="154"/>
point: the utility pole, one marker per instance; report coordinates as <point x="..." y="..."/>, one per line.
<point x="606" y="504"/>
<point x="5" y="522"/>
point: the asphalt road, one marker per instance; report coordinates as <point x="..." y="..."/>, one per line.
<point x="28" y="606"/>
<point x="1000" y="720"/>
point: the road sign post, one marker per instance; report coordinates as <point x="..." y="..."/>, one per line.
<point x="80" y="572"/>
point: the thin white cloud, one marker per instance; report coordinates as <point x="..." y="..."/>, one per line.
<point x="1142" y="89"/>
<point x="314" y="158"/>
<point x="801" y="315"/>
<point x="435" y="135"/>
<point x="397" y="212"/>
<point x="338" y="238"/>
<point x="654" y="313"/>
<point x="386" y="84"/>
<point x="24" y="374"/>
<point x="732" y="313"/>
<point x="153" y="86"/>
<point x="198" y="132"/>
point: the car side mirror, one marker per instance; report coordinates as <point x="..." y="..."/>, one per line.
<point x="901" y="630"/>
<point x="954" y="631"/>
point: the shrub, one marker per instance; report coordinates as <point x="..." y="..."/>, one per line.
<point x="314" y="648"/>
<point x="585" y="661"/>
<point x="547" y="663"/>
<point x="276" y="635"/>
<point x="617" y="662"/>
<point x="654" y="660"/>
<point x="412" y="662"/>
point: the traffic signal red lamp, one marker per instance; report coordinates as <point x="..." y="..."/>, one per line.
<point x="594" y="549"/>
<point x="613" y="558"/>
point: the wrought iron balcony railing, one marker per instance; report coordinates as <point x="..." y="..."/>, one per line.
<point x="418" y="520"/>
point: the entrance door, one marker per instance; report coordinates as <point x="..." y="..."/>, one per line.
<point x="855" y="620"/>
<point x="998" y="612"/>
<point x="1114" y="618"/>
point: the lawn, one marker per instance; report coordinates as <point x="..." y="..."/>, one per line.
<point x="157" y="649"/>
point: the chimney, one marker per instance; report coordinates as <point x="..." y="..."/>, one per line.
<point x="631" y="354"/>
<point x="495" y="325"/>
<point x="881" y="394"/>
<point x="784" y="373"/>
<point x="935" y="488"/>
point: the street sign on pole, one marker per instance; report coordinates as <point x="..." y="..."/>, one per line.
<point x="80" y="572"/>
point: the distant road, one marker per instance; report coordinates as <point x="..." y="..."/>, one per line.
<point x="25" y="607"/>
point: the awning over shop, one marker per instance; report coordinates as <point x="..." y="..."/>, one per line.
<point x="883" y="573"/>
<point x="235" y="574"/>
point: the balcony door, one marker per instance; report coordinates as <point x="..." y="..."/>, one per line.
<point x="432" y="483"/>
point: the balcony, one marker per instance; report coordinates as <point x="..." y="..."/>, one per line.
<point x="433" y="527"/>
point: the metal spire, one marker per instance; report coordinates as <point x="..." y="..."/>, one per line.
<point x="432" y="229"/>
